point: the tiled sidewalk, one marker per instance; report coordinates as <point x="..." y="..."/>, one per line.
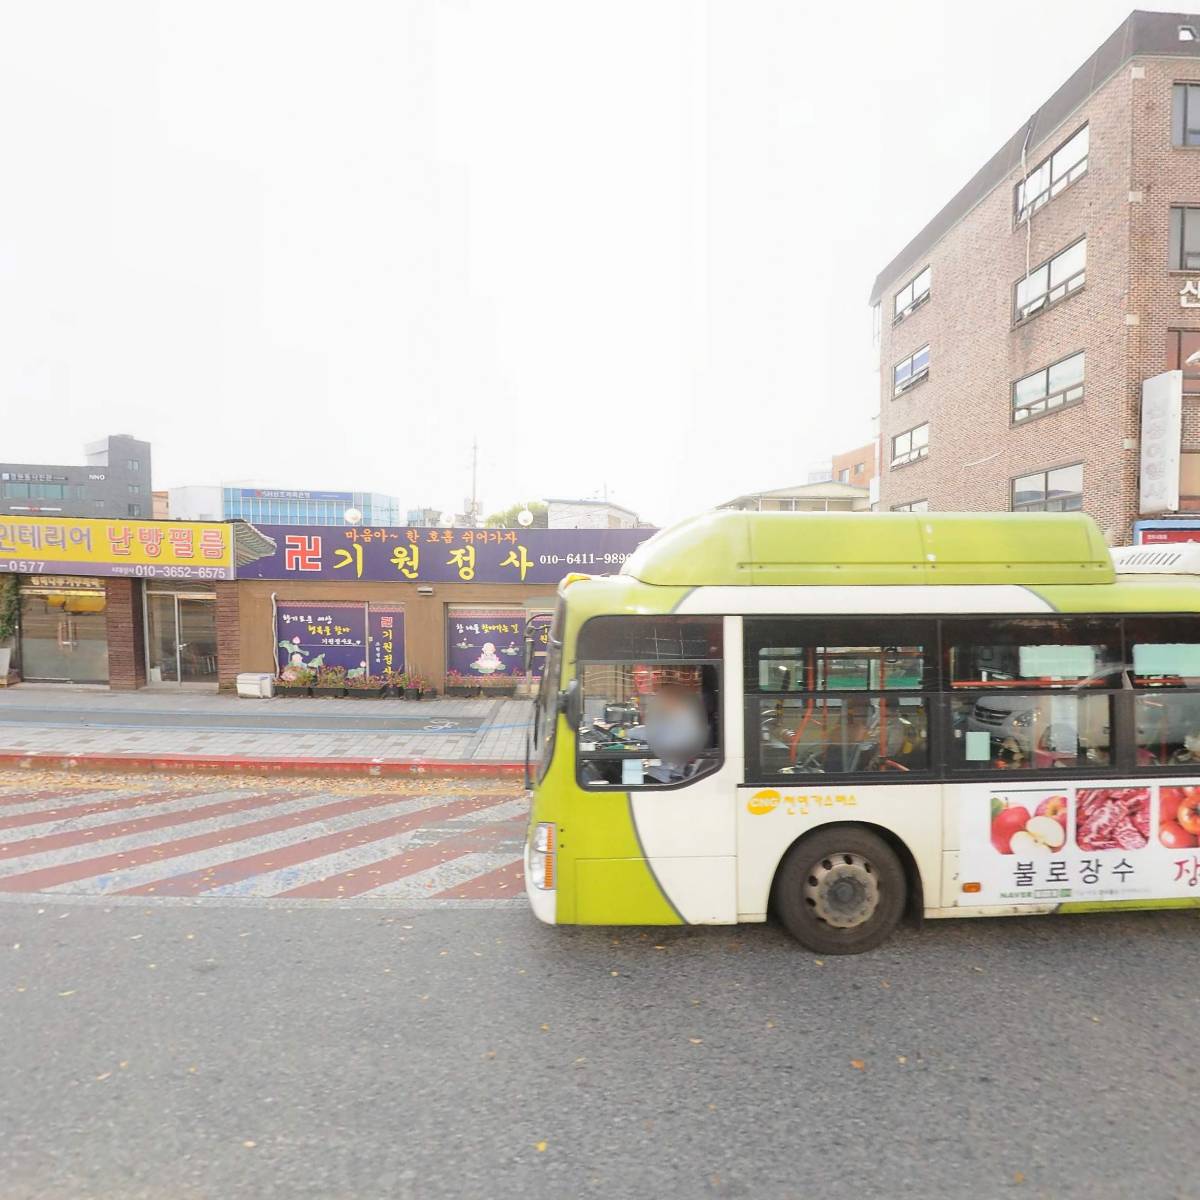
<point x="74" y="721"/>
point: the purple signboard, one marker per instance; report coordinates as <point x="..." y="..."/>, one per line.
<point x="385" y="632"/>
<point x="485" y="642"/>
<point x="321" y="635"/>
<point x="399" y="554"/>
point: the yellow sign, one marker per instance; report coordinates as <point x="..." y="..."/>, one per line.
<point x="142" y="549"/>
<point x="768" y="800"/>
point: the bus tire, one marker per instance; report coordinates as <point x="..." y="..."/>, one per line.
<point x="841" y="890"/>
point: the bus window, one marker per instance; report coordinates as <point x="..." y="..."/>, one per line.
<point x="824" y="696"/>
<point x="1164" y="668"/>
<point x="649" y="701"/>
<point x="1027" y="693"/>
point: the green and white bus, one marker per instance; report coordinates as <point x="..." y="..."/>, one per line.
<point x="844" y="718"/>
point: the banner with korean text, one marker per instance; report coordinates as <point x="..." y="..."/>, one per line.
<point x="144" y="549"/>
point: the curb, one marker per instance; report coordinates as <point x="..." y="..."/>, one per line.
<point x="237" y="764"/>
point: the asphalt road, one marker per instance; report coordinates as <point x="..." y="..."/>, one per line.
<point x="179" y="1051"/>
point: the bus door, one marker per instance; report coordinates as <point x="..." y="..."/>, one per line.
<point x="660" y="720"/>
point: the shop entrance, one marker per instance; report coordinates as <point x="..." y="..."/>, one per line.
<point x="63" y="637"/>
<point x="181" y="637"/>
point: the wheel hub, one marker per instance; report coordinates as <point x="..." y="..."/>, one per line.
<point x="843" y="890"/>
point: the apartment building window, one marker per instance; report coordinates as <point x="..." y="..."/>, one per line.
<point x="1048" y="389"/>
<point x="1067" y="164"/>
<point x="1183" y="354"/>
<point x="844" y="475"/>
<point x="135" y="510"/>
<point x="911" y="371"/>
<point x="1051" y="282"/>
<point x="1185" y="239"/>
<point x="135" y="489"/>
<point x="859" y="468"/>
<point x="913" y="293"/>
<point x="911" y="445"/>
<point x="133" y="464"/>
<point x="1059" y="490"/>
<point x="1185" y="115"/>
<point x="912" y="506"/>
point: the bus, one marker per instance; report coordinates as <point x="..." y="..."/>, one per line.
<point x="847" y="719"/>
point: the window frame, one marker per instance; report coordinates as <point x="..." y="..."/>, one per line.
<point x="1045" y="473"/>
<point x="1048" y="395"/>
<point x="913" y="455"/>
<point x="915" y="298"/>
<point x="1023" y="212"/>
<point x="592" y="786"/>
<point x="1182" y="87"/>
<point x="1177" y="256"/>
<point x="754" y="698"/>
<point x="1191" y="377"/>
<point x="1121" y="699"/>
<point x="913" y="378"/>
<point x="909" y="507"/>
<point x="1048" y="299"/>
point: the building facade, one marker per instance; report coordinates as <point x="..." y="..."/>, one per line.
<point x="827" y="496"/>
<point x="114" y="481"/>
<point x="589" y="514"/>
<point x="132" y="603"/>
<point x="1018" y="327"/>
<point x="855" y="467"/>
<point x="283" y="506"/>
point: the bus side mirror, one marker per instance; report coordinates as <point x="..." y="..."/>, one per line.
<point x="570" y="703"/>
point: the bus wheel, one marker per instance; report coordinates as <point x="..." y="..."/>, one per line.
<point x="840" y="891"/>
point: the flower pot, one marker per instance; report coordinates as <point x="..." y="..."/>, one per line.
<point x="370" y="693"/>
<point x="412" y="693"/>
<point x="429" y="693"/>
<point x="461" y="690"/>
<point x="339" y="690"/>
<point x="292" y="689"/>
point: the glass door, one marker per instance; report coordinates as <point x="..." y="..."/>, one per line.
<point x="163" y="652"/>
<point x="197" y="623"/>
<point x="181" y="638"/>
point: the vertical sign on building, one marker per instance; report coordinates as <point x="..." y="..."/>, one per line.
<point x="385" y="639"/>
<point x="1162" y="434"/>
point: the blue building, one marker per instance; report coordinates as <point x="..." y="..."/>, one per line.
<point x="284" y="506"/>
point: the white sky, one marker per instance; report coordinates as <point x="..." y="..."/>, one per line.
<point x="628" y="242"/>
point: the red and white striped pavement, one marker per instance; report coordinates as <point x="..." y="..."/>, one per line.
<point x="406" y="842"/>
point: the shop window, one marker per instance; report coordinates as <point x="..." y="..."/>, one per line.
<point x="831" y="698"/>
<point x="648" y="701"/>
<point x="63" y="636"/>
<point x="1030" y="693"/>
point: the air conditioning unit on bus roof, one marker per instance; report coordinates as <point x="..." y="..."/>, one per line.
<point x="1182" y="558"/>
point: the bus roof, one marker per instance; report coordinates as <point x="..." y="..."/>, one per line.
<point x="723" y="548"/>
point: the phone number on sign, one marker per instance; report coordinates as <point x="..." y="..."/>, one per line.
<point x="581" y="560"/>
<point x="147" y="571"/>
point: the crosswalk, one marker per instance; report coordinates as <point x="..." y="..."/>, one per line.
<point x="162" y="839"/>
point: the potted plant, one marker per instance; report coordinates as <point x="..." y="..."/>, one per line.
<point x="394" y="683"/>
<point x="413" y="683"/>
<point x="330" y="681"/>
<point x="499" y="685"/>
<point x="458" y="684"/>
<point x="362" y="686"/>
<point x="295" y="681"/>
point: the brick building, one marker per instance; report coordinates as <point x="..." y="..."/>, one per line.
<point x="856" y="467"/>
<point x="1018" y="326"/>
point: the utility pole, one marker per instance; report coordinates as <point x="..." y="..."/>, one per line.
<point x="474" y="479"/>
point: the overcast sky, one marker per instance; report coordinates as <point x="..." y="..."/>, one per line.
<point x="628" y="245"/>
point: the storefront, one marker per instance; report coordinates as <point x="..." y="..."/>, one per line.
<point x="465" y="609"/>
<point x="122" y="603"/>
